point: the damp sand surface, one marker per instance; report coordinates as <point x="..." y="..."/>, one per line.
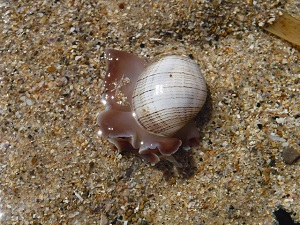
<point x="54" y="169"/>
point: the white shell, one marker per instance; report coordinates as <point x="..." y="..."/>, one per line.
<point x="169" y="93"/>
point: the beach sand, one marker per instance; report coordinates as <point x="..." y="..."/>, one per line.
<point x="54" y="168"/>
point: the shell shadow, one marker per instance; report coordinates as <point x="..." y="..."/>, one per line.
<point x="206" y="112"/>
<point x="186" y="158"/>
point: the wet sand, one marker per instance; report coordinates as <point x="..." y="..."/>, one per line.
<point x="54" y="169"/>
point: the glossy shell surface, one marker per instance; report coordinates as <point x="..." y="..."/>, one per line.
<point x="169" y="93"/>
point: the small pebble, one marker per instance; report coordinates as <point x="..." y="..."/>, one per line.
<point x="290" y="155"/>
<point x="29" y="102"/>
<point x="280" y="120"/>
<point x="50" y="69"/>
<point x="121" y="5"/>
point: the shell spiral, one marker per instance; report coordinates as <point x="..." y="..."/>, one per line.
<point x="169" y="93"/>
